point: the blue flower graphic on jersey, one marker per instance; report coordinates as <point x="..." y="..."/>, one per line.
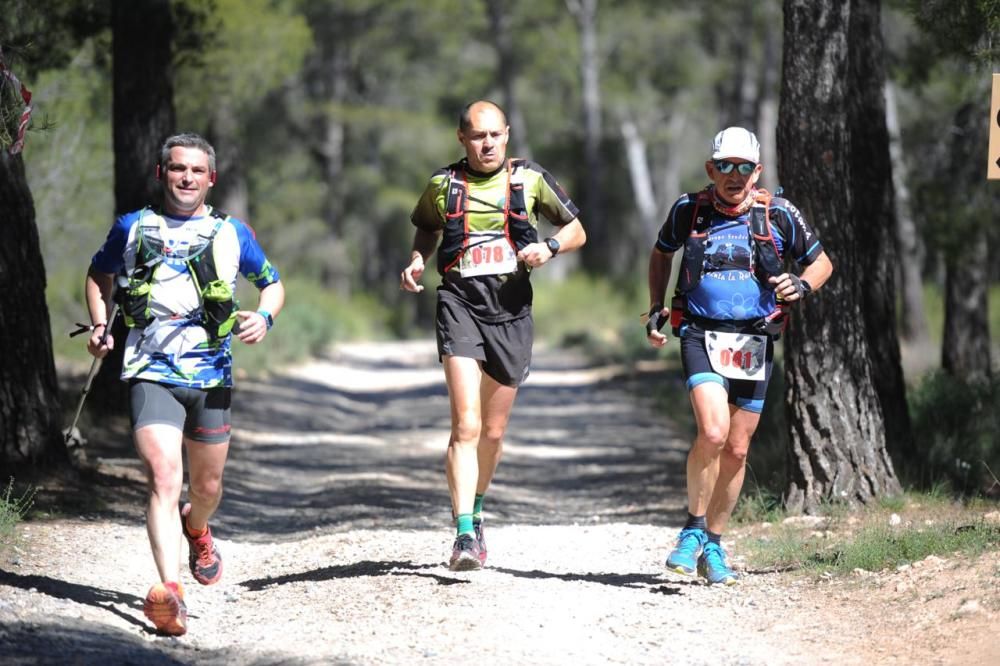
<point x="739" y="307"/>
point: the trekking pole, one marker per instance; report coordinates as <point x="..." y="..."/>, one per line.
<point x="71" y="432"/>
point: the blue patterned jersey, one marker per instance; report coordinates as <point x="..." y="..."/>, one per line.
<point x="728" y="289"/>
<point x="175" y="349"/>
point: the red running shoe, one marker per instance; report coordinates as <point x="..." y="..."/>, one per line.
<point x="164" y="606"/>
<point x="481" y="540"/>
<point x="203" y="557"/>
<point x="465" y="554"/>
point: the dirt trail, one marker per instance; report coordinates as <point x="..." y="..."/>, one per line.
<point x="334" y="530"/>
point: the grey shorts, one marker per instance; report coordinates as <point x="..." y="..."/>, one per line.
<point x="504" y="348"/>
<point x="203" y="415"/>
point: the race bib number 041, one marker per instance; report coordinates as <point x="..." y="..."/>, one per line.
<point x="488" y="253"/>
<point x="737" y="355"/>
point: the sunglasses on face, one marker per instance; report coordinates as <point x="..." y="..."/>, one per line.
<point x="726" y="167"/>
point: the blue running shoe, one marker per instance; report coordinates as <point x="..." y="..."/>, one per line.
<point x="713" y="568"/>
<point x="684" y="558"/>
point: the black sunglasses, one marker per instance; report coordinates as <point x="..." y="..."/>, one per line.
<point x="726" y="167"/>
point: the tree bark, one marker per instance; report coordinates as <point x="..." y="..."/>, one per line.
<point x="965" y="349"/>
<point x="913" y="319"/>
<point x="29" y="395"/>
<point x="600" y="253"/>
<point x="837" y="426"/>
<point x="507" y="71"/>
<point x="143" y="116"/>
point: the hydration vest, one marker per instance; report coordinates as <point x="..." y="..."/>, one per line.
<point x="516" y="227"/>
<point x="765" y="260"/>
<point x="218" y="305"/>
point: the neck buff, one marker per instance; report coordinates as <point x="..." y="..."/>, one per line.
<point x="732" y="211"/>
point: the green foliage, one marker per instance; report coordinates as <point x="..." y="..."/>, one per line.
<point x="597" y="313"/>
<point x="240" y="65"/>
<point x="955" y="424"/>
<point x="311" y="320"/>
<point x="12" y="511"/>
<point x="869" y="540"/>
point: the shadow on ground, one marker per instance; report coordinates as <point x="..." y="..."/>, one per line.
<point x="307" y="455"/>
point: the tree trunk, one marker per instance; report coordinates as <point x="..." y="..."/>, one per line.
<point x="507" y="70"/>
<point x="599" y="254"/>
<point x="874" y="212"/>
<point x="143" y="115"/>
<point x="29" y="394"/>
<point x="767" y="104"/>
<point x="913" y="320"/>
<point x="965" y="349"/>
<point x="838" y="438"/>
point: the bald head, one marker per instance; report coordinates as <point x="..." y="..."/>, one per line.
<point x="473" y="108"/>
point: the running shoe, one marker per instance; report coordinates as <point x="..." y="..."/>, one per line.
<point x="481" y="540"/>
<point x="465" y="554"/>
<point x="164" y="606"/>
<point x="713" y="568"/>
<point x="684" y="557"/>
<point x="203" y="557"/>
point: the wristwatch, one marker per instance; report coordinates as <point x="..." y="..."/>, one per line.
<point x="553" y="245"/>
<point x="268" y="319"/>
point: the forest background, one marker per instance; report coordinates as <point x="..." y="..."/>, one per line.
<point x="328" y="118"/>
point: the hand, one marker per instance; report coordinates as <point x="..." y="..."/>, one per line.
<point x="411" y="275"/>
<point x="535" y="254"/>
<point x="658" y="316"/>
<point x="789" y="287"/>
<point x="251" y="327"/>
<point x="101" y="341"/>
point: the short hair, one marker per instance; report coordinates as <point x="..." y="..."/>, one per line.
<point x="187" y="140"/>
<point x="465" y="119"/>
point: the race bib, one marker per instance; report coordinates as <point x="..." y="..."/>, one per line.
<point x="737" y="355"/>
<point x="488" y="253"/>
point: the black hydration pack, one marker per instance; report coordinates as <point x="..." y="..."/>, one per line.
<point x="218" y="304"/>
<point x="765" y="260"/>
<point x="455" y="237"/>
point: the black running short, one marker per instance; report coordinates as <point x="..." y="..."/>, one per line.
<point x="504" y="348"/>
<point x="743" y="393"/>
<point x="203" y="415"/>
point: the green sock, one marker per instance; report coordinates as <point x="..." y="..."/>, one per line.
<point x="464" y="524"/>
<point x="477" y="509"/>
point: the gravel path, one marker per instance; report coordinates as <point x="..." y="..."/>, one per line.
<point x="335" y="529"/>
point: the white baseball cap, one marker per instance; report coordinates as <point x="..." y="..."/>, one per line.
<point x="736" y="142"/>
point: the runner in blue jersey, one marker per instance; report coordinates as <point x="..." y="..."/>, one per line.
<point x="484" y="212"/>
<point x="173" y="270"/>
<point x="728" y="309"/>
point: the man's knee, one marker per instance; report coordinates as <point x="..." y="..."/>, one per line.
<point x="206" y="486"/>
<point x="712" y="437"/>
<point x="467" y="428"/>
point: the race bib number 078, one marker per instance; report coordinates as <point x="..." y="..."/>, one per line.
<point x="488" y="253"/>
<point x="737" y="355"/>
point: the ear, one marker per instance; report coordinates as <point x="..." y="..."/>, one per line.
<point x="211" y="178"/>
<point x="157" y="171"/>
<point x="709" y="169"/>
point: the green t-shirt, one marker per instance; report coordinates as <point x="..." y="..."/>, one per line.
<point x="492" y="298"/>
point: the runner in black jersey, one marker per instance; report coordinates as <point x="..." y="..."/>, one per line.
<point x="732" y="291"/>
<point x="484" y="210"/>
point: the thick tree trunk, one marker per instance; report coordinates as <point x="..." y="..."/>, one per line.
<point x="142" y="34"/>
<point x="838" y="438"/>
<point x="874" y="212"/>
<point x="29" y="395"/>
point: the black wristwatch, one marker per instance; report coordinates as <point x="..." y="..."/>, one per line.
<point x="553" y="245"/>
